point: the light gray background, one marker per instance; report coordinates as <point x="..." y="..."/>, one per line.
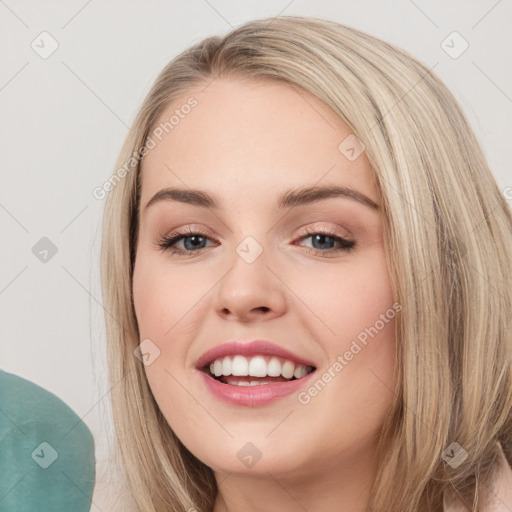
<point x="64" y="119"/>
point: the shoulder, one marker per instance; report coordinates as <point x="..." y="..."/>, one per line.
<point x="500" y="492"/>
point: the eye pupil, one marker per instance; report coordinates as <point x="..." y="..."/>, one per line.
<point x="321" y="237"/>
<point x="195" y="241"/>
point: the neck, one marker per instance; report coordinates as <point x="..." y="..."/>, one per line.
<point x="328" y="486"/>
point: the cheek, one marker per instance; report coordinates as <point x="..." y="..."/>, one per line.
<point x="346" y="300"/>
<point x="168" y="311"/>
<point x="164" y="301"/>
<point x="158" y="309"/>
<point x="354" y="318"/>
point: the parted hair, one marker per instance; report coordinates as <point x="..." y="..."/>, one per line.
<point x="448" y="242"/>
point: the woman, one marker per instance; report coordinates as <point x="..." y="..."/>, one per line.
<point x="255" y="367"/>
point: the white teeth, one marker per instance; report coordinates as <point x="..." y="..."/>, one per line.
<point x="226" y="366"/>
<point x="217" y="368"/>
<point x="300" y="371"/>
<point x="239" y="366"/>
<point x="274" y="367"/>
<point x="288" y="369"/>
<point x="257" y="366"/>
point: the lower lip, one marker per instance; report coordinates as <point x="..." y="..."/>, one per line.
<point x="253" y="396"/>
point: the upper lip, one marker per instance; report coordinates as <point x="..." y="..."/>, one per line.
<point x="251" y="348"/>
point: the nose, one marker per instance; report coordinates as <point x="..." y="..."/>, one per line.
<point x="250" y="292"/>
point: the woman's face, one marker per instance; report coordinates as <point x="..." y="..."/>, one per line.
<point x="266" y="262"/>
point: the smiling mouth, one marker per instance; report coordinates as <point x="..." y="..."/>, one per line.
<point x="257" y="370"/>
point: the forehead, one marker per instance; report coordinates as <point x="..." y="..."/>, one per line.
<point x="245" y="137"/>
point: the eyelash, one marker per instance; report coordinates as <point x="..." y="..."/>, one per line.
<point x="167" y="242"/>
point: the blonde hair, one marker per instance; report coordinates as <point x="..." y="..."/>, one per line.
<point x="448" y="240"/>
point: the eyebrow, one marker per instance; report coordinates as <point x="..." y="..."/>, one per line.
<point x="288" y="199"/>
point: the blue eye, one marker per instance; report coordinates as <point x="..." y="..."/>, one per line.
<point x="194" y="241"/>
<point x="320" y="238"/>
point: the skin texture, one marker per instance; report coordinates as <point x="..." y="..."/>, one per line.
<point x="246" y="142"/>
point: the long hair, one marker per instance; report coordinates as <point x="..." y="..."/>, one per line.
<point x="448" y="242"/>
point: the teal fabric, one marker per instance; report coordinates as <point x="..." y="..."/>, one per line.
<point x="46" y="451"/>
